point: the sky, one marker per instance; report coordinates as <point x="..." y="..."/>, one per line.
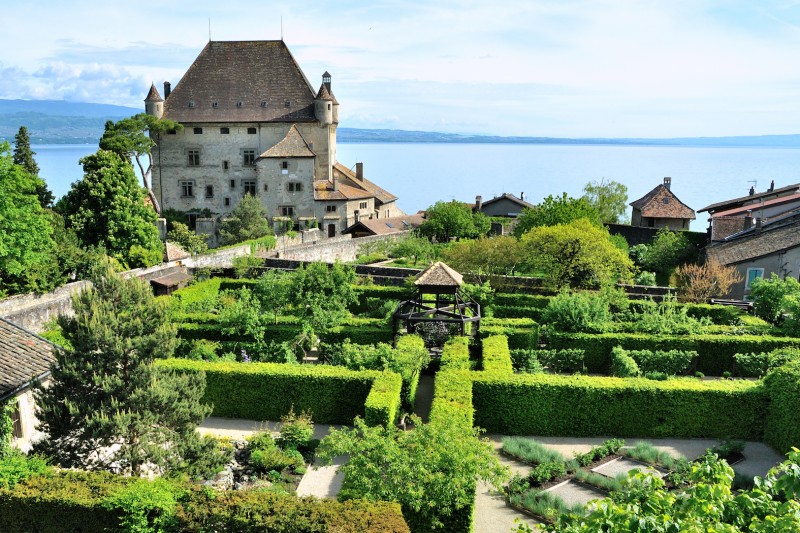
<point x="556" y="68"/>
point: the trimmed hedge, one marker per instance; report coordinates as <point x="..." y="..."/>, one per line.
<point x="496" y="355"/>
<point x="266" y="391"/>
<point x="409" y="344"/>
<point x="455" y="354"/>
<point x="715" y="352"/>
<point x="783" y="416"/>
<point x="672" y="362"/>
<point x="522" y="333"/>
<point x="531" y="301"/>
<point x="359" y="331"/>
<point x="360" y="334"/>
<point x="541" y="404"/>
<point x="719" y="314"/>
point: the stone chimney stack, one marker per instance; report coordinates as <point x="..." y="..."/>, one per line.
<point x="522" y="196"/>
<point x="771" y="185"/>
<point x="759" y="223"/>
<point x="167" y="89"/>
<point x="360" y="171"/>
<point x="748" y="220"/>
<point x="668" y="183"/>
<point x="478" y="202"/>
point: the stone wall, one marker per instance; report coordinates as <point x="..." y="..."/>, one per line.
<point x="343" y="248"/>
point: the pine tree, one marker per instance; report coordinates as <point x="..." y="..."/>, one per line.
<point x="108" y="407"/>
<point x="23" y="156"/>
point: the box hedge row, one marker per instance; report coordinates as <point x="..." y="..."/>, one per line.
<point x="522" y="333"/>
<point x="495" y="355"/>
<point x="715" y="352"/>
<point x="362" y="333"/>
<point x="67" y="502"/>
<point x="266" y="391"/>
<point x="581" y="406"/>
<point x="783" y="419"/>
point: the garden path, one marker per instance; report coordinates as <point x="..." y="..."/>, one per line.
<point x="424" y="397"/>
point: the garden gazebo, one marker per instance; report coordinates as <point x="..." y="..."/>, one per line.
<point x="438" y="300"/>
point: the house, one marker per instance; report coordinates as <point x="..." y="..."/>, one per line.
<point x="760" y="251"/>
<point x="660" y="208"/>
<point x="253" y="124"/>
<point x="505" y="205"/>
<point x="24" y="359"/>
<point x="385" y="226"/>
<point x="733" y="216"/>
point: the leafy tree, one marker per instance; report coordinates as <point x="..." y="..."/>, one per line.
<point x="431" y="470"/>
<point x="247" y="221"/>
<point x="700" y="283"/>
<point x="448" y="220"/>
<point x="706" y="503"/>
<point x="769" y="296"/>
<point x="668" y="250"/>
<point x="107" y="209"/>
<point x="273" y="292"/>
<point x="321" y="294"/>
<point x="609" y="198"/>
<point x="27" y="249"/>
<point x="187" y="239"/>
<point x="556" y="210"/>
<point x="134" y="137"/>
<point x="107" y="406"/>
<point x="578" y="254"/>
<point x="415" y="248"/>
<point x="23" y="156"/>
<point x="485" y="258"/>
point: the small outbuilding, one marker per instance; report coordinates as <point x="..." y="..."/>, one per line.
<point x="660" y="208"/>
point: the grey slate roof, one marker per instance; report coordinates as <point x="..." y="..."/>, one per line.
<point x="742" y="200"/>
<point x="23" y="357"/>
<point x="752" y="245"/>
<point x="250" y="72"/>
<point x="511" y="197"/>
<point x="153" y="95"/>
<point x="387" y="226"/>
<point x="292" y="145"/>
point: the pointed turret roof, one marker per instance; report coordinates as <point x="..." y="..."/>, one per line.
<point x="293" y="145"/>
<point x="324" y="93"/>
<point x="439" y="274"/>
<point x="153" y="95"/>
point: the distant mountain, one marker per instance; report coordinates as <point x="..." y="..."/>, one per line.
<point x="60" y="122"/>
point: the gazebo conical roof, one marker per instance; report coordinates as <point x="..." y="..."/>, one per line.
<point x="439" y="275"/>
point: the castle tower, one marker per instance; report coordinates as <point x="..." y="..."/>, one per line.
<point x="154" y="104"/>
<point x="323" y="102"/>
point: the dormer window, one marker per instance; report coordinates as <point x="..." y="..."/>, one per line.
<point x="239" y="104"/>
<point x="191" y="103"/>
<point x="215" y="105"/>
<point x="666" y="200"/>
<point x="263" y="103"/>
<point x="288" y="103"/>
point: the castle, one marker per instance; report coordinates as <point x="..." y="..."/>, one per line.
<point x="253" y="124"/>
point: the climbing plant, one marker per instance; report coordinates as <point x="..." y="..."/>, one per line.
<point x="6" y="426"/>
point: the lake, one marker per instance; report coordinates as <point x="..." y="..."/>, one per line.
<point x="422" y="173"/>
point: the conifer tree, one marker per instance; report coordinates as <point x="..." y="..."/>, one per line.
<point x="23" y="156"/>
<point x="108" y="407"/>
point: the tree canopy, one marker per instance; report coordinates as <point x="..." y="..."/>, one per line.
<point x="556" y="210"/>
<point x="485" y="258"/>
<point x="133" y="137"/>
<point x="448" y="220"/>
<point x="578" y="254"/>
<point x="609" y="198"/>
<point x="107" y="405"/>
<point x="27" y="249"/>
<point x="23" y="156"/>
<point x="248" y="220"/>
<point x="107" y="209"/>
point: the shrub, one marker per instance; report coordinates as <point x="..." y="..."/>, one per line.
<point x="544" y="472"/>
<point x="622" y="364"/>
<point x="526" y="361"/>
<point x="665" y="317"/>
<point x="656" y="376"/>
<point x="578" y="311"/>
<point x="769" y="294"/>
<point x="672" y="362"/>
<point x="565" y="361"/>
<point x="296" y="430"/>
<point x="645" y="278"/>
<point x="530" y="450"/>
<point x="700" y="283"/>
<point x="16" y="467"/>
<point x="757" y="365"/>
<point x="261" y="441"/>
<point x="609" y="447"/>
<point x="145" y="505"/>
<point x="410" y="359"/>
<point x="782" y="430"/>
<point x="267" y="459"/>
<point x="248" y="220"/>
<point x="543" y="404"/>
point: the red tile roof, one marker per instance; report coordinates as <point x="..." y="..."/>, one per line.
<point x="662" y="203"/>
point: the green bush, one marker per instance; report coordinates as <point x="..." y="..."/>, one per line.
<point x="266" y="391"/>
<point x="410" y="359"/>
<point x="782" y="430"/>
<point x="564" y="361"/>
<point x="496" y="355"/>
<point x="718" y="314"/>
<point x="266" y="459"/>
<point x="531" y="301"/>
<point x="543" y="404"/>
<point x="757" y="365"/>
<point x="544" y="472"/>
<point x="526" y="361"/>
<point x="16" y="467"/>
<point x="715" y="352"/>
<point x="145" y="506"/>
<point x="578" y="311"/>
<point x="622" y="364"/>
<point x="296" y="430"/>
<point x="672" y="362"/>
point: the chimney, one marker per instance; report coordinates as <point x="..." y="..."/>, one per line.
<point x="478" y="202"/>
<point x="167" y="89"/>
<point x="759" y="222"/>
<point x="522" y="196"/>
<point x="668" y="183"/>
<point x="748" y="220"/>
<point x="771" y="185"/>
<point x="360" y="171"/>
<point x="752" y="190"/>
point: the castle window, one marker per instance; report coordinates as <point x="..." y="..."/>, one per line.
<point x="194" y="158"/>
<point x="362" y="205"/>
<point x="249" y="158"/>
<point x="249" y="187"/>
<point x="263" y="103"/>
<point x="16" y="422"/>
<point x="233" y="184"/>
<point x="187" y="189"/>
<point x="191" y="103"/>
<point x="294" y="186"/>
<point x="666" y="200"/>
<point x="226" y="165"/>
<point x="227" y="202"/>
<point x="239" y="104"/>
<point x="287" y="211"/>
<point x="329" y="107"/>
<point x="224" y="131"/>
<point x="287" y="103"/>
<point x="284" y="167"/>
<point x="251" y="131"/>
<point x="266" y="187"/>
<point x="209" y="191"/>
<point x="330" y="208"/>
<point x="172" y="132"/>
<point x="215" y="105"/>
<point x="198" y="131"/>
